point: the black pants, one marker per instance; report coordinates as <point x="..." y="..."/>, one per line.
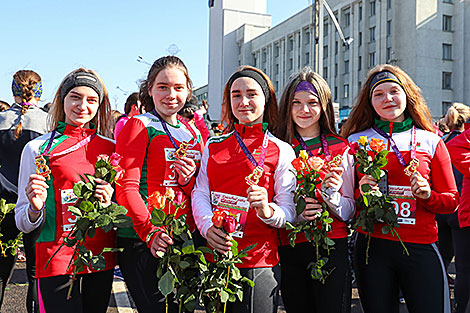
<point x="139" y="269"/>
<point x="90" y="293"/>
<point x="264" y="296"/>
<point x="10" y="231"/>
<point x="300" y="293"/>
<point x="421" y="277"/>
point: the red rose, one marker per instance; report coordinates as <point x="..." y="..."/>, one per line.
<point x="377" y="145"/>
<point x="156" y="200"/>
<point x="179" y="198"/>
<point x="218" y="219"/>
<point x="114" y="159"/>
<point x="315" y="163"/>
<point x="230" y="224"/>
<point x="353" y="148"/>
<point x="298" y="164"/>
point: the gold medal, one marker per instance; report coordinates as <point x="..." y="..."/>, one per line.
<point x="254" y="177"/>
<point x="412" y="167"/>
<point x="41" y="166"/>
<point x="182" y="150"/>
<point x="335" y="162"/>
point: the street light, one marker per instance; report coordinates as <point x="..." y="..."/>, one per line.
<point x="142" y="60"/>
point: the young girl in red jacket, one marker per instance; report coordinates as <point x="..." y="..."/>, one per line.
<point x="79" y="119"/>
<point x="308" y="124"/>
<point x="250" y="110"/>
<point x="147" y="144"/>
<point x="390" y="107"/>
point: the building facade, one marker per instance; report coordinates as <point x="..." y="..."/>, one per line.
<point x="429" y="39"/>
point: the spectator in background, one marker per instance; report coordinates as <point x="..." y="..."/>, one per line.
<point x="131" y="108"/>
<point x="454" y="237"/>
<point x="46" y="107"/>
<point x="4" y="106"/>
<point x="21" y="123"/>
<point x="194" y="115"/>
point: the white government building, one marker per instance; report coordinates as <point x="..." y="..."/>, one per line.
<point x="429" y="39"/>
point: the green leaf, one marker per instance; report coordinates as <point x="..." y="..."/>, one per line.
<point x="300" y="205"/>
<point x="122" y="221"/>
<point x="188" y="247"/>
<point x="166" y="284"/>
<point x="103" y="220"/>
<point x="98" y="262"/>
<point x="184" y="264"/>
<point x="75" y="211"/>
<point x="87" y="206"/>
<point x="224" y="296"/>
<point x="205" y="249"/>
<point x="158" y="217"/>
<point x="77" y="188"/>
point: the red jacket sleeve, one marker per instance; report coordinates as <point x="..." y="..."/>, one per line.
<point x="132" y="146"/>
<point x="201" y="125"/>
<point x="459" y="148"/>
<point x="444" y="194"/>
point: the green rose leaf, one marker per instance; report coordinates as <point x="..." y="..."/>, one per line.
<point x="166" y="284"/>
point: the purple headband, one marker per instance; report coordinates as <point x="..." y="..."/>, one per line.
<point x="306" y="86"/>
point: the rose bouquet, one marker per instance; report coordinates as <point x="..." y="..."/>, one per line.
<point x="91" y="215"/>
<point x="378" y="206"/>
<point x="223" y="282"/>
<point x="308" y="178"/>
<point x="182" y="266"/>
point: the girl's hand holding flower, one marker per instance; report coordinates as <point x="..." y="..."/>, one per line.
<point x="185" y="168"/>
<point x="312" y="209"/>
<point x="258" y="199"/>
<point x="367" y="179"/>
<point x="104" y="192"/>
<point x="420" y="186"/>
<point x="36" y="191"/>
<point x="218" y="239"/>
<point x="160" y="242"/>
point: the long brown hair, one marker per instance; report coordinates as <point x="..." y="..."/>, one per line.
<point x="102" y="119"/>
<point x="270" y="116"/>
<point x="286" y="126"/>
<point x="157" y="66"/>
<point x="27" y="79"/>
<point x="363" y="114"/>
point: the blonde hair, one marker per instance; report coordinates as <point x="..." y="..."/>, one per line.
<point x="27" y="79"/>
<point x="102" y="119"/>
<point x="455" y="117"/>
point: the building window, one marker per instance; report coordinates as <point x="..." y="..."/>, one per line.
<point x="264" y="57"/>
<point x="307" y="37"/>
<point x="372" y="59"/>
<point x="360" y="13"/>
<point x="360" y="39"/>
<point x="291" y="44"/>
<point x="389" y="54"/>
<point x="336" y="47"/>
<point x="347" y="19"/>
<point x="346" y="91"/>
<point x="325" y="72"/>
<point x="276" y="51"/>
<point x="446" y="51"/>
<point x="372" y="34"/>
<point x="307" y="58"/>
<point x="336" y="69"/>
<point x="389" y="28"/>
<point x="446" y="80"/>
<point x="447" y="23"/>
<point x="372" y="7"/>
<point x="325" y="29"/>
<point x="448" y="1"/>
<point x="389" y="4"/>
<point x="325" y="52"/>
<point x="291" y="63"/>
<point x="346" y="67"/>
<point x="445" y="106"/>
<point x="336" y="93"/>
<point x="359" y="63"/>
<point x="276" y="69"/>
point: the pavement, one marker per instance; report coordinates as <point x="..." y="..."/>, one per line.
<point x="120" y="302"/>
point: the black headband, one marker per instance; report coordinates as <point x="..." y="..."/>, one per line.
<point x="254" y="75"/>
<point x="383" y="77"/>
<point x="82" y="79"/>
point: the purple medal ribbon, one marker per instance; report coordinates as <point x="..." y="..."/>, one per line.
<point x="167" y="131"/>
<point x="248" y="153"/>
<point x="324" y="143"/>
<point x="395" y="147"/>
<point x="76" y="146"/>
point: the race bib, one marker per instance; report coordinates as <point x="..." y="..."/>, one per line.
<point x="171" y="179"/>
<point x="68" y="198"/>
<point x="404" y="204"/>
<point x="235" y="205"/>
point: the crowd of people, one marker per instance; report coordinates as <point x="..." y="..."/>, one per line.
<point x="258" y="135"/>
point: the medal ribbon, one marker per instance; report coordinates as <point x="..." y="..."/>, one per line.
<point x="324" y="143"/>
<point x="167" y="131"/>
<point x="75" y="147"/>
<point x="247" y="152"/>
<point x="395" y="147"/>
